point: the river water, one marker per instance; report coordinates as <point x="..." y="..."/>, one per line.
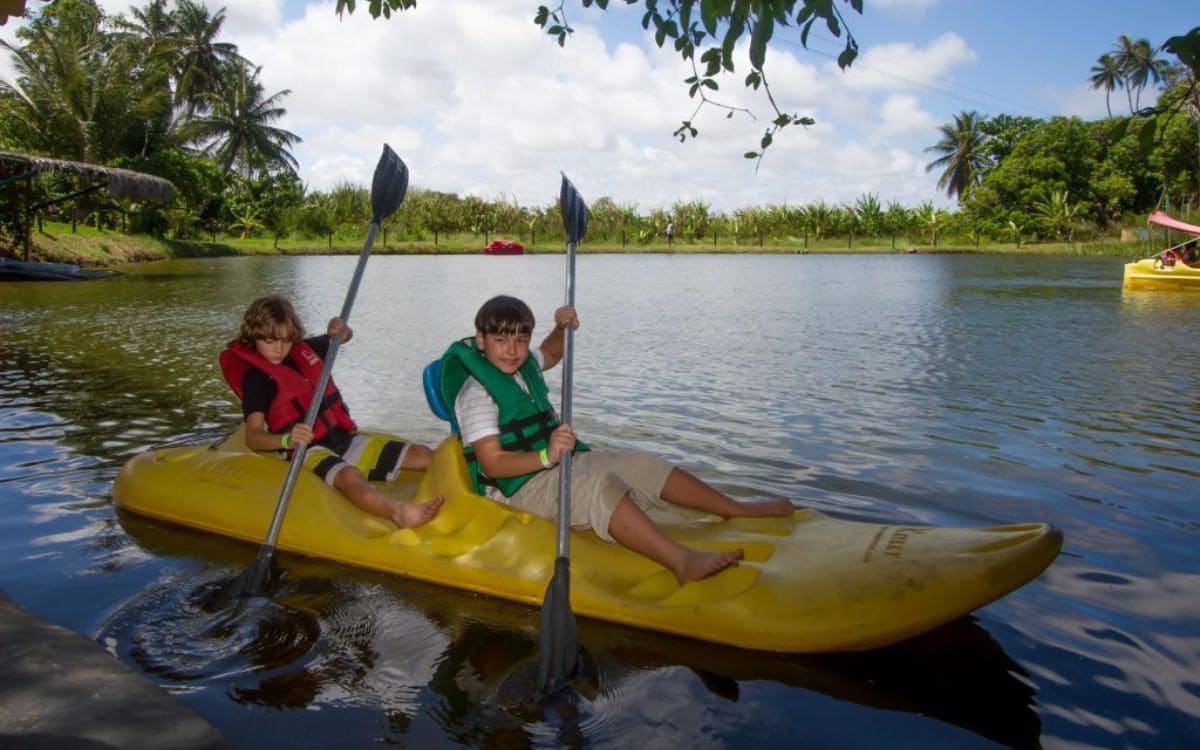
<point x="917" y="389"/>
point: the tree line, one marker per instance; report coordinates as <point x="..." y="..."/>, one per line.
<point x="158" y="91"/>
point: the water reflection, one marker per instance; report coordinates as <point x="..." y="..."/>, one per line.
<point x="919" y="389"/>
<point x="331" y="636"/>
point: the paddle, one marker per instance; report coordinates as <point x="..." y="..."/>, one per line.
<point x="559" y="637"/>
<point x="388" y="187"/>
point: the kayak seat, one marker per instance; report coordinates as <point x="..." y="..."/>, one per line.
<point x="430" y="378"/>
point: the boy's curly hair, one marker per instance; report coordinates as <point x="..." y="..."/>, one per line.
<point x="504" y="314"/>
<point x="268" y="318"/>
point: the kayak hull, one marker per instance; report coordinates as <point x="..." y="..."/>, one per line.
<point x="809" y="583"/>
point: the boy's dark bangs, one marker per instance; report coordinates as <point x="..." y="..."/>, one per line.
<point x="505" y="315"/>
<point x="510" y="327"/>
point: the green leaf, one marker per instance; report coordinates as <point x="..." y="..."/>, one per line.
<point x="751" y="154"/>
<point x="763" y="30"/>
<point x="848" y="56"/>
<point x="712" y="61"/>
<point x="709" y="10"/>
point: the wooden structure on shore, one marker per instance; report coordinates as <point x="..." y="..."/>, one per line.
<point x="120" y="183"/>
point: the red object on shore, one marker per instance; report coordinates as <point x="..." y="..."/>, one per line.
<point x="504" y="247"/>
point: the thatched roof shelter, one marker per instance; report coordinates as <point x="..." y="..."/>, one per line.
<point x="121" y="183"/>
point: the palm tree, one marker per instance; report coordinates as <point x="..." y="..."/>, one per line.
<point x="149" y="39"/>
<point x="870" y="213"/>
<point x="154" y="24"/>
<point x="962" y="153"/>
<point x="237" y="130"/>
<point x="932" y="220"/>
<point x="72" y="94"/>
<point x="201" y="61"/>
<point x="1106" y="74"/>
<point x="1060" y="213"/>
<point x="1139" y="67"/>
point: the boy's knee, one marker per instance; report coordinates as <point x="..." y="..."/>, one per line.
<point x="349" y="479"/>
<point x="417" y="457"/>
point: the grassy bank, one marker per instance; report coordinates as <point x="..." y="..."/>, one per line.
<point x="93" y="248"/>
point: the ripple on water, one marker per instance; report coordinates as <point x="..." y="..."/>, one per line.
<point x="192" y="633"/>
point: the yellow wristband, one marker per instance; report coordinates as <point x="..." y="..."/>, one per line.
<point x="545" y="458"/>
<point x="284" y="439"/>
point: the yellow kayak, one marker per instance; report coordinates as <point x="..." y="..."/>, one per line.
<point x="809" y="583"/>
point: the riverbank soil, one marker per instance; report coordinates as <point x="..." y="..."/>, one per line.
<point x="59" y="689"/>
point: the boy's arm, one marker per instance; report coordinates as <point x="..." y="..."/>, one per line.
<point x="258" y="438"/>
<point x="498" y="463"/>
<point x="552" y="345"/>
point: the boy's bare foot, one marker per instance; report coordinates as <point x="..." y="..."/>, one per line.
<point x="698" y="565"/>
<point x="771" y="506"/>
<point x="411" y="515"/>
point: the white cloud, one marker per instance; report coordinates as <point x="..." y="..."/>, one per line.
<point x="901" y="115"/>
<point x="906" y="67"/>
<point x="915" y="7"/>
<point x="478" y="101"/>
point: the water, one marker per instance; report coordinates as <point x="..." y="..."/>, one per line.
<point x="949" y="390"/>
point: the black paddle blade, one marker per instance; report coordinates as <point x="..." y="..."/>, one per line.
<point x="251" y="583"/>
<point x="574" y="211"/>
<point x="560" y="638"/>
<point x="388" y="186"/>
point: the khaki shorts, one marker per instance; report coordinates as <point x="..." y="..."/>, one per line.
<point x="378" y="458"/>
<point x="599" y="479"/>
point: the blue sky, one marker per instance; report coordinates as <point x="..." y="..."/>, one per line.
<point x="478" y="101"/>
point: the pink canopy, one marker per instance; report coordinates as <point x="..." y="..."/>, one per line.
<point x="1160" y="218"/>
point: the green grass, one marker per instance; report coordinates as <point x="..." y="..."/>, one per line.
<point x="87" y="246"/>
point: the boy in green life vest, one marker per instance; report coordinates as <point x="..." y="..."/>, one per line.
<point x="513" y="442"/>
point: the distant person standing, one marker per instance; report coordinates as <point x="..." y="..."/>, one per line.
<point x="670" y="233"/>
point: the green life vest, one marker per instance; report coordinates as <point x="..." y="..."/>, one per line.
<point x="526" y="419"/>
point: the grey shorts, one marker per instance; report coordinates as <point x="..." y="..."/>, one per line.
<point x="599" y="479"/>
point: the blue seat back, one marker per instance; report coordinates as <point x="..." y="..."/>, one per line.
<point x="431" y="378"/>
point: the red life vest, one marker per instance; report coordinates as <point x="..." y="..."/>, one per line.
<point x="295" y="380"/>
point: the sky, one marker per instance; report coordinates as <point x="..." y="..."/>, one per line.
<point x="477" y="100"/>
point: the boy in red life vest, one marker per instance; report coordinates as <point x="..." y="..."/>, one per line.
<point x="513" y="442"/>
<point x="274" y="370"/>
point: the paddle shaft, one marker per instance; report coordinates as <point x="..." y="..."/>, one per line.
<point x="285" y="494"/>
<point x="564" y="484"/>
<point x="559" y="640"/>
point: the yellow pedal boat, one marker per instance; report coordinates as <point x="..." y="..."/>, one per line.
<point x="1170" y="268"/>
<point x="809" y="583"/>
